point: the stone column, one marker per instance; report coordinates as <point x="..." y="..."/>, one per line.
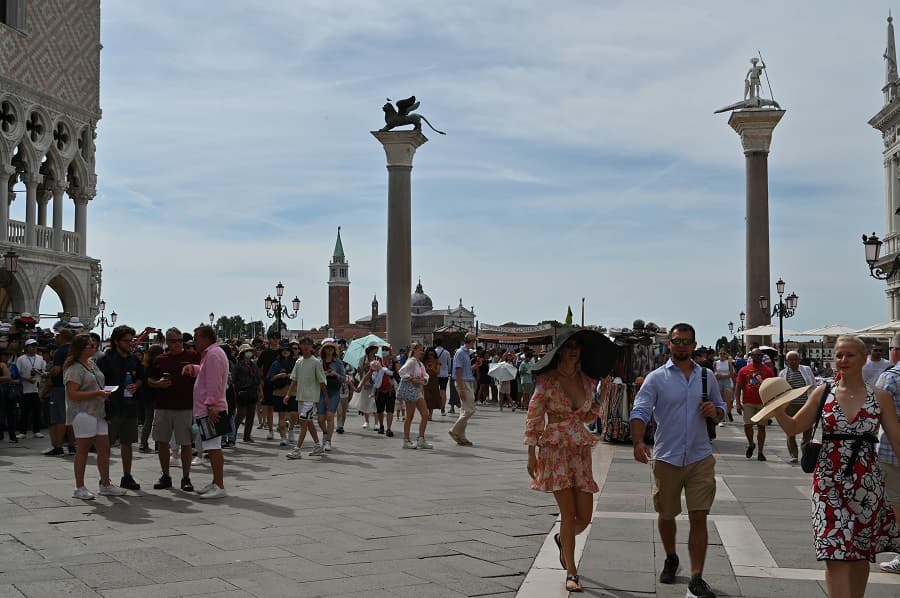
<point x="81" y="202"/>
<point x="31" y="187"/>
<point x="6" y="171"/>
<point x="889" y="193"/>
<point x="42" y="201"/>
<point x="893" y="220"/>
<point x="755" y="126"/>
<point x="399" y="147"/>
<point x="59" y="190"/>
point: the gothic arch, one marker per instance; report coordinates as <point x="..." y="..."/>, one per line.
<point x="65" y="284"/>
<point x="14" y="298"/>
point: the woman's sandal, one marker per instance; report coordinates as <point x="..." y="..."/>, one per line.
<point x="576" y="587"/>
<point x="559" y="545"/>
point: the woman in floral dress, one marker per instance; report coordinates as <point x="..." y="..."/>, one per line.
<point x="559" y="445"/>
<point x="851" y="520"/>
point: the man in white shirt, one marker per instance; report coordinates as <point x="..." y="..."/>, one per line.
<point x="31" y="367"/>
<point x="874" y="365"/>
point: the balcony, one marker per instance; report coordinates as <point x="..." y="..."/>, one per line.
<point x="71" y="242"/>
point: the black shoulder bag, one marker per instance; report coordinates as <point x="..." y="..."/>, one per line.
<point x="710" y="421"/>
<point x="810" y="454"/>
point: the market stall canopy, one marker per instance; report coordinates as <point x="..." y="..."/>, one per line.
<point x="883" y="329"/>
<point x="830" y="330"/>
<point x="770" y="330"/>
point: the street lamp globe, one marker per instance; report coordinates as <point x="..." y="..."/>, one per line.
<point x="113" y="317"/>
<point x="11" y="261"/>
<point x="764" y="303"/>
<point x="102" y="305"/>
<point x="279" y="289"/>
<point x="296" y="303"/>
<point x="742" y="316"/>
<point x="873" y="248"/>
<point x="730" y="327"/>
<point x="269" y="302"/>
<point x="212" y="317"/>
<point x="779" y="286"/>
<point x="792" y="300"/>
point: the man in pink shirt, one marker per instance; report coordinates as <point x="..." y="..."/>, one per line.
<point x="209" y="401"/>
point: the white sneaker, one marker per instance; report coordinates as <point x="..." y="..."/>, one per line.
<point x="365" y="425"/>
<point x="423" y="444"/>
<point x="294" y="454"/>
<point x="327" y="446"/>
<point x="409" y="444"/>
<point x="892" y="566"/>
<point x="317" y="451"/>
<point x="206" y="488"/>
<point x="38" y="435"/>
<point x="111" y="490"/>
<point x="21" y="436"/>
<point x="270" y="436"/>
<point x="214" y="492"/>
<point x="283" y="441"/>
<point x="197" y="461"/>
<point x="83" y="493"/>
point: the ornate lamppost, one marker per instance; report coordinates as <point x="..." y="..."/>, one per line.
<point x="740" y="329"/>
<point x="785" y="308"/>
<point x="103" y="321"/>
<point x="274" y="308"/>
<point x="872" y="246"/>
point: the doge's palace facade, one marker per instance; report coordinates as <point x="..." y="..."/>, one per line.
<point x="49" y="108"/>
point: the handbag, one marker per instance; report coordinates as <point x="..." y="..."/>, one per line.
<point x="810" y="453"/>
<point x="407" y="391"/>
<point x="209" y="430"/>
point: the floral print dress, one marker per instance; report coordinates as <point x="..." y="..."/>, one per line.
<point x="851" y="520"/>
<point x="553" y="425"/>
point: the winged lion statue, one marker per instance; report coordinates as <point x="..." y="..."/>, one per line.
<point x="403" y="115"/>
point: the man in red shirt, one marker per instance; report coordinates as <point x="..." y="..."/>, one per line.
<point x="747" y="401"/>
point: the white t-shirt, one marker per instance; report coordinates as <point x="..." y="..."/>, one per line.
<point x="27" y="363"/>
<point x="871" y="370"/>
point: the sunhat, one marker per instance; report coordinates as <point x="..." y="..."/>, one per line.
<point x="598" y="353"/>
<point x="329" y="343"/>
<point x="775" y="394"/>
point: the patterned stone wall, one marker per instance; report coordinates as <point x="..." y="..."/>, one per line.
<point x="58" y="54"/>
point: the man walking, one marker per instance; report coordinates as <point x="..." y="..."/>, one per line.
<point x="446" y="362"/>
<point x="874" y="364"/>
<point x="465" y="386"/>
<point x="682" y="456"/>
<point x="308" y="384"/>
<point x="747" y="401"/>
<point x="124" y="370"/>
<point x="888" y="461"/>
<point x="174" y="407"/>
<point x="797" y="375"/>
<point x="209" y="401"/>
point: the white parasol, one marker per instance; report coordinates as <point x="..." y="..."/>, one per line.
<point x="503" y="371"/>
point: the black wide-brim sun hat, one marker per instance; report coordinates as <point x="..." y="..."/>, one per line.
<point x="598" y="352"/>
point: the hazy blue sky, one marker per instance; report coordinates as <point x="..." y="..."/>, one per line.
<point x="582" y="159"/>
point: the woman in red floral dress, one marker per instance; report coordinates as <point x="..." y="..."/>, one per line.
<point x="851" y="520"/>
<point x="561" y="405"/>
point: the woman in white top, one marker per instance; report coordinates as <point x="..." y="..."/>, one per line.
<point x="725" y="378"/>
<point x="412" y="378"/>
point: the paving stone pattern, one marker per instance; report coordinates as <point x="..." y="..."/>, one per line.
<point x="370" y="519"/>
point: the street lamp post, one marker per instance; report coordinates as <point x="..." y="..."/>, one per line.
<point x="103" y="321"/>
<point x="274" y="308"/>
<point x="740" y="329"/>
<point x="785" y="308"/>
<point x="872" y="246"/>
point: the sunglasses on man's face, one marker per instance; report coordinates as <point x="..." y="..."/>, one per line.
<point x="682" y="341"/>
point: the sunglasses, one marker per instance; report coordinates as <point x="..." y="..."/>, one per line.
<point x="682" y="341"/>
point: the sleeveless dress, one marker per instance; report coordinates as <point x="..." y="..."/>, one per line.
<point x="851" y="520"/>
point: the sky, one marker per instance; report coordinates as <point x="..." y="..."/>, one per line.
<point x="582" y="157"/>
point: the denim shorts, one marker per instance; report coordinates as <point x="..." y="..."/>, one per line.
<point x="329" y="404"/>
<point x="725" y="384"/>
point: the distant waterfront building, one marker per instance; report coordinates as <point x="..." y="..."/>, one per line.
<point x="49" y="108"/>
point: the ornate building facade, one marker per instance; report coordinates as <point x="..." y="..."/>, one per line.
<point x="49" y="109"/>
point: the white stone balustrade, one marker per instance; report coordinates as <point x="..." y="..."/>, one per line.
<point x="71" y="242"/>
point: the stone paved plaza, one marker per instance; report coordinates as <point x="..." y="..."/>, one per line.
<point x="374" y="520"/>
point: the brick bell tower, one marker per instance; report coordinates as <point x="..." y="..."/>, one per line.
<point x="338" y="287"/>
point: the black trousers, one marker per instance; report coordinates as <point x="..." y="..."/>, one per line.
<point x="31" y="413"/>
<point x="245" y="414"/>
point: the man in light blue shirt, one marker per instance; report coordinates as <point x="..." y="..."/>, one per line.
<point x="673" y="396"/>
<point x="464" y="378"/>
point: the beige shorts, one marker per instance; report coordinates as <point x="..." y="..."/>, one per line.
<point x="891" y="475"/>
<point x="749" y="412"/>
<point x="697" y="480"/>
<point x="173" y="421"/>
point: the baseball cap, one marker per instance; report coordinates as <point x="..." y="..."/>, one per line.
<point x="30" y="341"/>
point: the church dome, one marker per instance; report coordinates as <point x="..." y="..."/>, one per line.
<point x="420" y="301"/>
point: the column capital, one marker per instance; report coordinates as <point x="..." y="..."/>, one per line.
<point x="755" y="126"/>
<point x="400" y="146"/>
<point x="7" y="169"/>
<point x="58" y="187"/>
<point x="32" y="178"/>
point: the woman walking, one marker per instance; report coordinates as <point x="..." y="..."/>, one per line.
<point x="559" y="445"/>
<point x="851" y="520"/>
<point x="432" y="389"/>
<point x="412" y="379"/>
<point x="86" y="413"/>
<point x="248" y="391"/>
<point x="725" y="378"/>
